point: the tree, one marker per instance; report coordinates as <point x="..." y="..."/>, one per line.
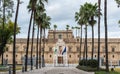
<point x="8" y="32"/>
<point x="93" y="10"/>
<point x="6" y="10"/>
<point x="55" y="27"/>
<point x="106" y="34"/>
<point x="87" y="13"/>
<point x="118" y="2"/>
<point x="39" y="18"/>
<point x="32" y="8"/>
<point x="33" y="29"/>
<point x="45" y="25"/>
<point x="99" y="18"/>
<point x="67" y="27"/>
<point x="14" y="41"/>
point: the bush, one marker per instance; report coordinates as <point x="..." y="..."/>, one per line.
<point x="91" y="63"/>
<point x="82" y="62"/>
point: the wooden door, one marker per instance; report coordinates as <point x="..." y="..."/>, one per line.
<point x="60" y="59"/>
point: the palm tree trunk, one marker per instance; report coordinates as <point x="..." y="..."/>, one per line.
<point x="37" y="47"/>
<point x="99" y="4"/>
<point x="92" y="42"/>
<point x="28" y="38"/>
<point x="86" y="43"/>
<point x="80" y="44"/>
<point x="3" y="29"/>
<point x="106" y="37"/>
<point x="40" y="46"/>
<point x="32" y="45"/>
<point x="84" y="53"/>
<point x="14" y="41"/>
<point x="54" y="33"/>
<point x="67" y="33"/>
<point x="43" y="60"/>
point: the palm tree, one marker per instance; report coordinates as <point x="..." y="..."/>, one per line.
<point x="118" y="2"/>
<point x="92" y="23"/>
<point x="38" y="29"/>
<point x="32" y="43"/>
<point x="87" y="13"/>
<point x="99" y="8"/>
<point x="55" y="26"/>
<point x="14" y="41"/>
<point x="3" y="25"/>
<point x="93" y="10"/>
<point x="39" y="20"/>
<point x="32" y="3"/>
<point x="45" y="25"/>
<point x="106" y="35"/>
<point x="67" y="28"/>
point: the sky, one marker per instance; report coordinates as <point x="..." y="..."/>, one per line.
<point x="62" y="13"/>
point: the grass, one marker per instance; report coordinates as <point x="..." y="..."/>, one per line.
<point x="18" y="67"/>
<point x="117" y="69"/>
<point x="89" y="69"/>
<point x="102" y="71"/>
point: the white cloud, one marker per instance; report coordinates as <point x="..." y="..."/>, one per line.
<point x="62" y="13"/>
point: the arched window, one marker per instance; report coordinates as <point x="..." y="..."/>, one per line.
<point x="113" y="49"/>
<point x="60" y="36"/>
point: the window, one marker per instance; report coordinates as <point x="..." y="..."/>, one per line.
<point x="103" y="49"/>
<point x="70" y="56"/>
<point x="95" y="56"/>
<point x="77" y="48"/>
<point x="16" y="55"/>
<point x="24" y="48"/>
<point x="95" y="49"/>
<point x="78" y="56"/>
<point x="33" y="48"/>
<point x="17" y="48"/>
<point x="113" y="56"/>
<point x="104" y="56"/>
<point x="70" y="49"/>
<point x="33" y="55"/>
<point x="6" y="55"/>
<point x="77" y="40"/>
<point x="7" y="48"/>
<point x="60" y="36"/>
<point x="50" y="49"/>
<point x="113" y="49"/>
<point x="16" y="62"/>
<point x="50" y="56"/>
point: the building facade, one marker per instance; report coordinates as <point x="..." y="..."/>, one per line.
<point x="62" y="48"/>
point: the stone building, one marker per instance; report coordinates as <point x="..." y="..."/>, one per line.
<point x="62" y="48"/>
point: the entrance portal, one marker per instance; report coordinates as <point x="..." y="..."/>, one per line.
<point x="60" y="54"/>
<point x="60" y="59"/>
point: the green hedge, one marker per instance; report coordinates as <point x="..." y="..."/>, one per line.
<point x="91" y="63"/>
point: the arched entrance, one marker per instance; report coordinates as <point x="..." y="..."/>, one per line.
<point x="60" y="54"/>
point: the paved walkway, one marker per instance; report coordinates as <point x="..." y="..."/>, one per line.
<point x="57" y="70"/>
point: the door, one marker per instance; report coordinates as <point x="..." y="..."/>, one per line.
<point x="60" y="59"/>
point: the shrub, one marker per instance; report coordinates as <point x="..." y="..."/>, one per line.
<point x="82" y="62"/>
<point x="91" y="63"/>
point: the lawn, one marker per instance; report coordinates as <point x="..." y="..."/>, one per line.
<point x="5" y="68"/>
<point x="103" y="72"/>
<point x="117" y="69"/>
